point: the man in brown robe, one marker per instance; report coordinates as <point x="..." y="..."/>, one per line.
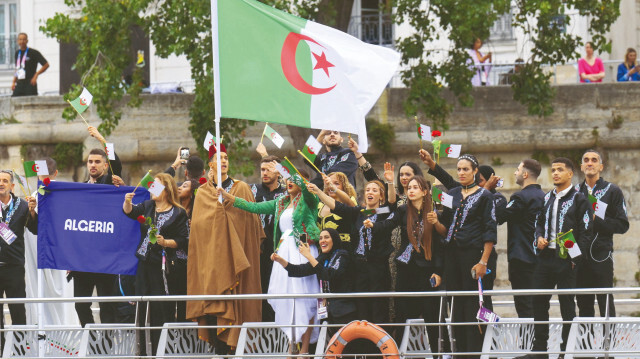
<point x="224" y="258"/>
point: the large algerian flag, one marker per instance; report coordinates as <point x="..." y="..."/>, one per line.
<point x="274" y="67"/>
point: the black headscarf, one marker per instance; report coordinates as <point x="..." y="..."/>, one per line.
<point x="337" y="244"/>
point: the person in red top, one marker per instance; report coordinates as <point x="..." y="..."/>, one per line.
<point x="590" y="67"/>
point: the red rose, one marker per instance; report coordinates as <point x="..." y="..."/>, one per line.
<point x="568" y="244"/>
<point x="202" y="180"/>
<point x="141" y="219"/>
<point x="436" y="133"/>
<point x="46" y="181"/>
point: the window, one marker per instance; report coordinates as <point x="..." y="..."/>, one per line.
<point x="8" y="32"/>
<point x="502" y="29"/>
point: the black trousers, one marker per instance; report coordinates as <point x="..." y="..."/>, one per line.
<point x="149" y="281"/>
<point x="178" y="286"/>
<point x="521" y="277"/>
<point x="12" y="285"/>
<point x="412" y="278"/>
<point x="458" y="264"/>
<point x="83" y="285"/>
<point x="552" y="271"/>
<point x="373" y="276"/>
<point x="25" y="88"/>
<point x="594" y="274"/>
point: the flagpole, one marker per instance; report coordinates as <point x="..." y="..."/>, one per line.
<point x="82" y="117"/>
<point x="308" y="160"/>
<point x="298" y="172"/>
<point x="138" y="185"/>
<point x="263" y="131"/>
<point x="20" y="182"/>
<point x="418" y="126"/>
<point x="109" y="161"/>
<point x="216" y="85"/>
<point x="25" y="175"/>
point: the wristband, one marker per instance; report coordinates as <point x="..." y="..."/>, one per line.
<point x="483" y="263"/>
<point x="357" y="158"/>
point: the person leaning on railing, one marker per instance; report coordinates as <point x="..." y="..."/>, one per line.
<point x="629" y="69"/>
<point x="590" y="67"/>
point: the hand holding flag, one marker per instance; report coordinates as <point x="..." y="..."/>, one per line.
<point x="599" y="207"/>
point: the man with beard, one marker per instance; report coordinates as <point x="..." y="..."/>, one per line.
<point x="85" y="282"/>
<point x="269" y="189"/>
<point x="224" y="258"/>
<point x="520" y="214"/>
<point x="335" y="158"/>
<point x="597" y="269"/>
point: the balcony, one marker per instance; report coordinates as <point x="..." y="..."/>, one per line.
<point x="374" y="29"/>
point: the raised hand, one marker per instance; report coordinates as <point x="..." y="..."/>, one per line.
<point x="388" y="172"/>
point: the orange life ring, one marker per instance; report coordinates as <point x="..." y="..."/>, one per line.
<point x="362" y="330"/>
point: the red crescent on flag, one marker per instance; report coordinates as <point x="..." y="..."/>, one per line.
<point x="595" y="206"/>
<point x="440" y="197"/>
<point x="83" y="102"/>
<point x="149" y="184"/>
<point x="449" y="150"/>
<point x="273" y="135"/>
<point x="310" y="150"/>
<point x="290" y="68"/>
<point x="34" y="168"/>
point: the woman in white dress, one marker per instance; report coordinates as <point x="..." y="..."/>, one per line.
<point x="295" y="222"/>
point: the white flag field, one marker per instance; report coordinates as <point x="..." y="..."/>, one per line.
<point x="276" y="67"/>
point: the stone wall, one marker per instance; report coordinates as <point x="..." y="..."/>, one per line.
<point x="496" y="129"/>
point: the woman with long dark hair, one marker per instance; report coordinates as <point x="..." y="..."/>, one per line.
<point x="155" y="259"/>
<point x="420" y="259"/>
<point x="469" y="229"/>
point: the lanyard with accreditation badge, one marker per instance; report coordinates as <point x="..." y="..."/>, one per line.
<point x="322" y="303"/>
<point x="5" y="232"/>
<point x="20" y="64"/>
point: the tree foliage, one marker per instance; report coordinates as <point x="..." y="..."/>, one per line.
<point x="102" y="30"/>
<point x="460" y="22"/>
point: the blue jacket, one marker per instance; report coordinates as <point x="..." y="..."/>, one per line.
<point x="623" y="76"/>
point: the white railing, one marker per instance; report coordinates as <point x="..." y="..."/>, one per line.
<point x="507" y="338"/>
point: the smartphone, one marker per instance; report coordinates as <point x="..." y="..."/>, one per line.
<point x="432" y="280"/>
<point x="184" y="153"/>
<point x="500" y="183"/>
<point x="302" y="239"/>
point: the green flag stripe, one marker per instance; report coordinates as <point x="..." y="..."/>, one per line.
<point x="252" y="84"/>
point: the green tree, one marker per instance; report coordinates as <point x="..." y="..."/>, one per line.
<point x="463" y="21"/>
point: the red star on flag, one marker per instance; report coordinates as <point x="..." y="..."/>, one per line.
<point x="322" y="63"/>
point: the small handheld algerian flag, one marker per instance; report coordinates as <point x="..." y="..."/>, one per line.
<point x="568" y="241"/>
<point x="599" y="207"/>
<point x="83" y="101"/>
<point x="449" y="150"/>
<point x="20" y="179"/>
<point x="156" y="188"/>
<point x="379" y="210"/>
<point x="441" y="197"/>
<point x="35" y="168"/>
<point x="209" y="141"/>
<point x="424" y="132"/>
<point x="273" y="136"/>
<point x="311" y="148"/>
<point x="289" y="166"/>
<point x="147" y="181"/>
<point x="111" y="153"/>
<point x="284" y="171"/>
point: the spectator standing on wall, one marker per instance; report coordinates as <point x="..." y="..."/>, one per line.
<point x="629" y="69"/>
<point x="27" y="60"/>
<point x="590" y="67"/>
